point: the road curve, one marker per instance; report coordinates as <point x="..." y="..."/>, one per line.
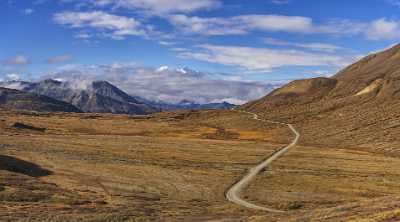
<point x="233" y="194"/>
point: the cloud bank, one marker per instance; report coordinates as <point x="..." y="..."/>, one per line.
<point x="179" y="13"/>
<point x="165" y="84"/>
<point x="264" y="59"/>
<point x="117" y="26"/>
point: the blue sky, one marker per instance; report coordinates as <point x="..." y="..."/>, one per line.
<point x="257" y="40"/>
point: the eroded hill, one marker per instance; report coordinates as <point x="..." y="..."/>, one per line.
<point x="358" y="107"/>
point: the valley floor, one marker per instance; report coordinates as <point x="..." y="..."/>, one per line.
<point x="177" y="167"/>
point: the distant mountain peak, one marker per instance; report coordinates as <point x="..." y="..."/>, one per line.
<point x="162" y="69"/>
<point x="186" y="70"/>
<point x="186" y="101"/>
<point x="102" y="84"/>
<point x="182" y="70"/>
<point x="52" y="81"/>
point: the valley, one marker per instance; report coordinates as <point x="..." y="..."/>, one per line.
<point x="177" y="167"/>
<point x="199" y="111"/>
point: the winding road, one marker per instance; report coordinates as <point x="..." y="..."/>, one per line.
<point x="233" y="194"/>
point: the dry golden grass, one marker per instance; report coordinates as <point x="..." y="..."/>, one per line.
<point x="317" y="176"/>
<point x="177" y="166"/>
<point x="321" y="183"/>
<point x="171" y="165"/>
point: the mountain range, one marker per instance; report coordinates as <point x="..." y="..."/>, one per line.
<point x="186" y="105"/>
<point x="15" y="99"/>
<point x="101" y="97"/>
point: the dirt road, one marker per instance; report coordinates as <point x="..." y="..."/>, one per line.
<point x="233" y="194"/>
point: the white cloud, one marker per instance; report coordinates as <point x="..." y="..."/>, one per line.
<point x="28" y="11"/>
<point x="230" y="100"/>
<point x="175" y="11"/>
<point x="178" y="49"/>
<point x="264" y="59"/>
<point x="167" y="84"/>
<point x="280" y="2"/>
<point x="315" y="46"/>
<point x="158" y="7"/>
<point x="324" y="73"/>
<point x="59" y="59"/>
<point x="379" y="29"/>
<point x="13" y="77"/>
<point x="12" y="82"/>
<point x="118" y="26"/>
<point x="383" y="29"/>
<point x="166" y="43"/>
<point x="245" y="24"/>
<point x="17" y="60"/>
<point x="241" y="24"/>
<point x="82" y="35"/>
<point x="168" y="6"/>
<point x="162" y="69"/>
<point x="276" y="23"/>
<point x="205" y="26"/>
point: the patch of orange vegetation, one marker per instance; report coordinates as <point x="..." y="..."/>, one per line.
<point x="253" y="135"/>
<point x="192" y="134"/>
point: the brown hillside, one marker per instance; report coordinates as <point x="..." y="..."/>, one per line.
<point x="384" y="66"/>
<point x="358" y="107"/>
<point x="297" y="92"/>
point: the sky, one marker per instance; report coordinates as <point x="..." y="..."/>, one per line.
<point x="257" y="41"/>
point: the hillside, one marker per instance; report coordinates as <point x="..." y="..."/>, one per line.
<point x="355" y="108"/>
<point x="378" y="72"/>
<point x="18" y="100"/>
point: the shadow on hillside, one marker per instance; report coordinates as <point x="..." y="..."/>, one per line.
<point x="21" y="166"/>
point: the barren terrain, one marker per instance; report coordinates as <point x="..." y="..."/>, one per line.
<point x="177" y="167"/>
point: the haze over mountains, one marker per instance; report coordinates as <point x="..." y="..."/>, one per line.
<point x="142" y="90"/>
<point x="100" y="97"/>
<point x="169" y="85"/>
